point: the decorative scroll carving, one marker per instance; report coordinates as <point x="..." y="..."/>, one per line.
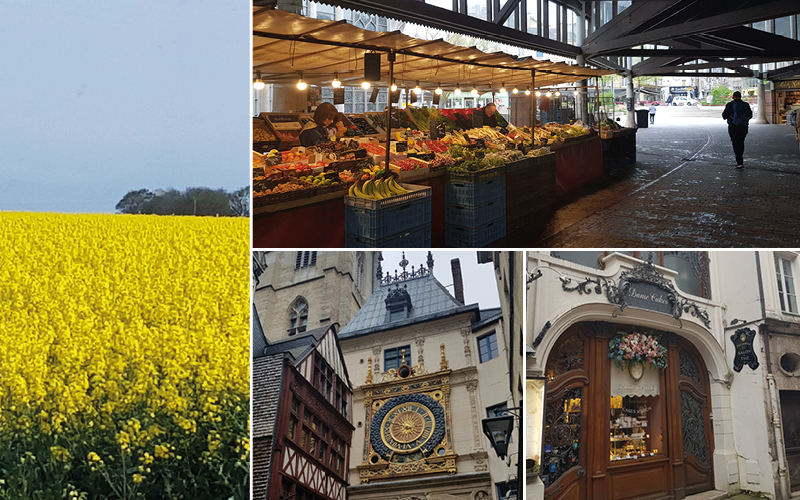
<point x="541" y="335"/>
<point x="642" y="273"/>
<point x="693" y="427"/>
<point x="689" y="368"/>
<point x="568" y="356"/>
<point x="562" y="434"/>
<point x="420" y="341"/>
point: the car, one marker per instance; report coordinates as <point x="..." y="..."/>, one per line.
<point x="682" y="100"/>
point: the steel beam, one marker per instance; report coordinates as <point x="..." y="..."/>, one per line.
<point x="770" y="10"/>
<point x="444" y="19"/>
<point x="506" y="11"/>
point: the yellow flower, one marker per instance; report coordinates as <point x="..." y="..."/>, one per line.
<point x="59" y="453"/>
<point x="138" y="478"/>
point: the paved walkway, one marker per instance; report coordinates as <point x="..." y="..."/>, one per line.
<point x="684" y="191"/>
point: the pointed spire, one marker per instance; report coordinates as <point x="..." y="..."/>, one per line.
<point x="443" y="362"/>
<point x="403" y="354"/>
<point x="430" y="262"/>
<point x="379" y="272"/>
<point x="404" y="262"/>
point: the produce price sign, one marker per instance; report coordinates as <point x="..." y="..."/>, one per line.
<point x="338" y="95"/>
<point x="374" y="96"/>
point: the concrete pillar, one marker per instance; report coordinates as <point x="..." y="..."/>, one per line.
<point x="761" y="114"/>
<point x="630" y="119"/>
<point x="293" y="6"/>
<point x="582" y="99"/>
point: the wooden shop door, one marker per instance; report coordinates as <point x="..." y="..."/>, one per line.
<point x="563" y="464"/>
<point x="696" y="430"/>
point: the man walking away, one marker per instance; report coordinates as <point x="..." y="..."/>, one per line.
<point x="738" y="114"/>
<point x="652" y="114"/>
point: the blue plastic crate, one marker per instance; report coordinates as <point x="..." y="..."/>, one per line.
<point x="474" y="237"/>
<point x="379" y="219"/>
<point x="474" y="215"/>
<point x="417" y="237"/>
<point x="474" y="193"/>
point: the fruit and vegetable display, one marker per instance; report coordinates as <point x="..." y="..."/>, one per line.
<point x="363" y="126"/>
<point x="374" y="186"/>
<point x="262" y="135"/>
<point x="609" y="124"/>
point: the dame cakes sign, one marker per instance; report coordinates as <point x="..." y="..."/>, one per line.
<point x="649" y="296"/>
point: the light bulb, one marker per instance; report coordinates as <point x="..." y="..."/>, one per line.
<point x="503" y="89"/>
<point x="548" y="94"/>
<point x="558" y="93"/>
<point x="365" y="85"/>
<point x="458" y="89"/>
<point x="258" y="84"/>
<point x="301" y="84"/>
<point x="528" y="91"/>
<point x="417" y="90"/>
<point x="474" y="91"/>
<point x="515" y="91"/>
<point x="336" y="83"/>
<point x="438" y="88"/>
<point x="394" y="87"/>
<point x="576" y="93"/>
<point x="538" y="94"/>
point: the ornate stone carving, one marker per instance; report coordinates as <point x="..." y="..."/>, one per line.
<point x="420" y="341"/>
<point x="466" y="333"/>
<point x="472" y="386"/>
<point x="641" y="273"/>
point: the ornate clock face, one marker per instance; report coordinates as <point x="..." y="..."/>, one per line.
<point x="407" y="427"/>
<point x="411" y="424"/>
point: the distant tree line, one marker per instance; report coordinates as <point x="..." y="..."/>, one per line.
<point x="191" y="201"/>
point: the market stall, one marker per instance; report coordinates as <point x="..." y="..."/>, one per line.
<point x="413" y="176"/>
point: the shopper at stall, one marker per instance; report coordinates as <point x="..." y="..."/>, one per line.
<point x="652" y="114"/>
<point x="488" y="115"/>
<point x="738" y="114"/>
<point x="321" y="128"/>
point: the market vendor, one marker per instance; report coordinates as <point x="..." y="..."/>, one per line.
<point x="488" y="115"/>
<point x="321" y="128"/>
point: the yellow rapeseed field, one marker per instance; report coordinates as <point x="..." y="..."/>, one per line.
<point x="124" y="347"/>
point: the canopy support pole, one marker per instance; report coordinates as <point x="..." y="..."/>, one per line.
<point x="386" y="169"/>
<point x="533" y="104"/>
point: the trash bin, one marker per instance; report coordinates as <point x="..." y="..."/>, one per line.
<point x="641" y="118"/>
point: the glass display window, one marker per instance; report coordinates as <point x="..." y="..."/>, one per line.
<point x="636" y="413"/>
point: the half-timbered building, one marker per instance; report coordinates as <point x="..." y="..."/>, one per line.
<point x="302" y="408"/>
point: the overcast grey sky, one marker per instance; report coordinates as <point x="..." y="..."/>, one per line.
<point x="101" y="97"/>
<point x="479" y="282"/>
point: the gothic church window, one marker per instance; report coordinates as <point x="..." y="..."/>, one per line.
<point x="298" y="317"/>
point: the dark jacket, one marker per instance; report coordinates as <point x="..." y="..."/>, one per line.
<point x="737" y="112"/>
<point x="490" y="121"/>
<point x="313" y="136"/>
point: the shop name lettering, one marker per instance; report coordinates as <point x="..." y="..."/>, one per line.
<point x="637" y="411"/>
<point x="653" y="297"/>
<point x="630" y="388"/>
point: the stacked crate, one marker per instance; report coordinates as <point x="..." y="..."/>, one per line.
<point x="530" y="189"/>
<point x="475" y="208"/>
<point x="402" y="221"/>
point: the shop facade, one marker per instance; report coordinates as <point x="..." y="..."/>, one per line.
<point x="695" y="416"/>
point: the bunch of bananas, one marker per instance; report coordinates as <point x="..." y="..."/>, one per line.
<point x="376" y="189"/>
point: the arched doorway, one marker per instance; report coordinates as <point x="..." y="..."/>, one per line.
<point x="620" y="434"/>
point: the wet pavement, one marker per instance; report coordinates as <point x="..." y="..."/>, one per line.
<point x="685" y="191"/>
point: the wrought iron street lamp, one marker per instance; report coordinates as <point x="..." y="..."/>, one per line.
<point x="498" y="430"/>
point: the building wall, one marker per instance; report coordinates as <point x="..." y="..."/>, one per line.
<point x="335" y="288"/>
<point x="739" y="400"/>
<point x="474" y="386"/>
<point x="267" y="383"/>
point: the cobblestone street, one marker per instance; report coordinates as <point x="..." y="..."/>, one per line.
<point x="684" y="191"/>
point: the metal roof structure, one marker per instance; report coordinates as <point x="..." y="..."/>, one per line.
<point x="674" y="37"/>
<point x="429" y="301"/>
<point x="286" y="44"/>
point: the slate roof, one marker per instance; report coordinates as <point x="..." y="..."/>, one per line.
<point x="298" y="346"/>
<point x="488" y="316"/>
<point x="429" y="301"/>
<point x="259" y="344"/>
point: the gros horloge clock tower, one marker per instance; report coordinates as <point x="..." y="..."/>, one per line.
<point x="407" y="423"/>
